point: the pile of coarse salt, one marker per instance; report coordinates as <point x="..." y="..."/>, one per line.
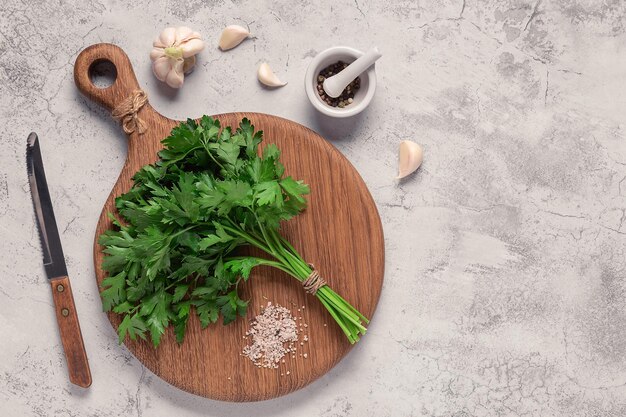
<point x="274" y="335"/>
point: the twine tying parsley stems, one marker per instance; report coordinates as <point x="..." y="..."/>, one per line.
<point x="289" y="261"/>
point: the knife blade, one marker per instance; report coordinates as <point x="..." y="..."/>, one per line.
<point x="56" y="270"/>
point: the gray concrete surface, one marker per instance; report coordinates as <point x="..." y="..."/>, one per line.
<point x="505" y="290"/>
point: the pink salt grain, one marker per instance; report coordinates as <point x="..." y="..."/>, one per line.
<point x="274" y="335"/>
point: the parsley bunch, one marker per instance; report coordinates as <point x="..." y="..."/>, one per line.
<point x="172" y="253"/>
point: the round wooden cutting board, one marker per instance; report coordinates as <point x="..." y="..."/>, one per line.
<point x="340" y="233"/>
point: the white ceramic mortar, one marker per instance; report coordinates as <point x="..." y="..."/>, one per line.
<point x="363" y="96"/>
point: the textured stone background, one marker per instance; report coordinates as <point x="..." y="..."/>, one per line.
<point x="505" y="291"/>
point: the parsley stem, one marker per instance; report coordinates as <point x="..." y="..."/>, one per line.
<point x="263" y="261"/>
<point x="269" y="249"/>
<point x="295" y="259"/>
<point x="274" y="251"/>
<point x="288" y="245"/>
<point x="341" y="306"/>
<point x="248" y="238"/>
<point x="347" y="332"/>
<point x="351" y="308"/>
<point x="208" y="151"/>
<point x="180" y="232"/>
<point x="183" y="156"/>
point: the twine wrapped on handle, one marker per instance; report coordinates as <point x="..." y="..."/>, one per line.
<point x="313" y="282"/>
<point x="127" y="111"/>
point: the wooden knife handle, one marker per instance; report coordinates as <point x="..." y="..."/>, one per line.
<point x="72" y="338"/>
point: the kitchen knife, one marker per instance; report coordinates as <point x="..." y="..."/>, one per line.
<point x="54" y="264"/>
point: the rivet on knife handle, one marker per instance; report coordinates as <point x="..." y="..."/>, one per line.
<point x="71" y="336"/>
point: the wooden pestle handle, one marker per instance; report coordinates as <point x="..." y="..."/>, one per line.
<point x="71" y="336"/>
<point x="125" y="82"/>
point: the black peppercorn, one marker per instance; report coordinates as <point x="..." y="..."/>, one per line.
<point x="347" y="95"/>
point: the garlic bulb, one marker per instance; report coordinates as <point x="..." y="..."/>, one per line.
<point x="266" y="76"/>
<point x="411" y="157"/>
<point x="173" y="54"/>
<point x="232" y="36"/>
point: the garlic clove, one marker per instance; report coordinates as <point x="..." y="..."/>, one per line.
<point x="232" y="36"/>
<point x="411" y="157"/>
<point x="157" y="53"/>
<point x="176" y="76"/>
<point x="166" y="38"/>
<point x="188" y="64"/>
<point x="192" y="47"/>
<point x="184" y="34"/>
<point x="161" y="67"/>
<point x="157" y="42"/>
<point x="267" y="77"/>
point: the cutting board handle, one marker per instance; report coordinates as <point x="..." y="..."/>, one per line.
<point x="125" y="81"/>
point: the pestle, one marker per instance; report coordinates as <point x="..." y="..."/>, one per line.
<point x="334" y="86"/>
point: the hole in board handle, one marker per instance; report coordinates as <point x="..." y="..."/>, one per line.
<point x="102" y="73"/>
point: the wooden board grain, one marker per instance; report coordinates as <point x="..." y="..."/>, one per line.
<point x="340" y="233"/>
